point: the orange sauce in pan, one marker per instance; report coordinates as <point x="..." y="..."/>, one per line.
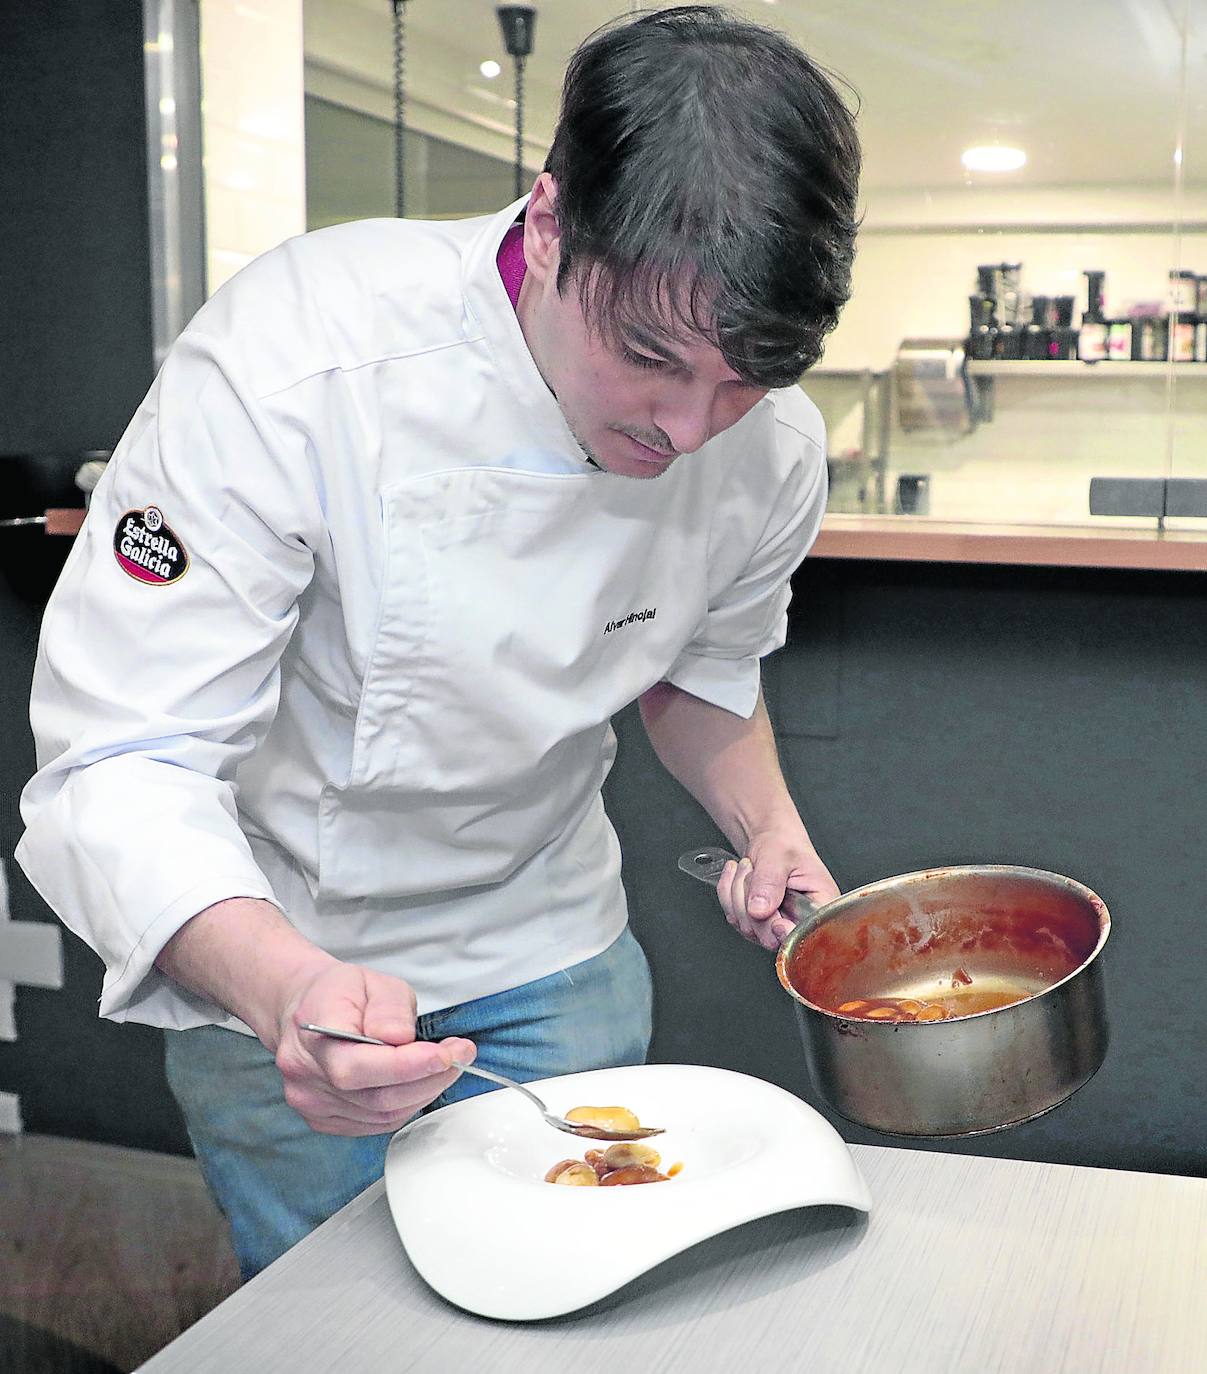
<point x="965" y="999"/>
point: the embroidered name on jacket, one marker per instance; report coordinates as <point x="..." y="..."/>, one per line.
<point x="147" y="549"/>
<point x="648" y="614"/>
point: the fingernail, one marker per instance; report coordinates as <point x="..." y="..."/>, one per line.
<point x="759" y="904"/>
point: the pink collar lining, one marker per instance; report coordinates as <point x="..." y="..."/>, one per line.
<point x="511" y="264"/>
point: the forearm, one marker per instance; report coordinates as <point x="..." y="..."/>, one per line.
<point x="730" y="765"/>
<point x="245" y="956"/>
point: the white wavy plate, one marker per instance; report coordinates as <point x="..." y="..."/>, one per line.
<point x="467" y="1192"/>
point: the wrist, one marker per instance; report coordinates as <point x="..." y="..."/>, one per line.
<point x="782" y="821"/>
<point x="281" y="984"/>
<point x="245" y="956"/>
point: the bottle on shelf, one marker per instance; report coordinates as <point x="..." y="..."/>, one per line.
<point x="1183" y="293"/>
<point x="1093" y="335"/>
<point x="982" y="336"/>
<point x="1120" y="340"/>
<point x="1062" y="340"/>
<point x="1153" y="338"/>
<point x="998" y="282"/>
<point x="1037" y="336"/>
<point x="1183" y="303"/>
<point x="1009" y="311"/>
<point x="1182" y="339"/>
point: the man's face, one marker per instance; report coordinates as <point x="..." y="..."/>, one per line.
<point x="634" y="405"/>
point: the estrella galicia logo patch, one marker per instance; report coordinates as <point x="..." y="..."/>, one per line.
<point x="147" y="549"/>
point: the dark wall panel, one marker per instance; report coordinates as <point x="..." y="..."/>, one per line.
<point x="75" y="361"/>
<point x="936" y="715"/>
<point x="75" y="330"/>
<point x="75" y="1074"/>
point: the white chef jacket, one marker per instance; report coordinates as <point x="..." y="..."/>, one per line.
<point x="350" y="614"/>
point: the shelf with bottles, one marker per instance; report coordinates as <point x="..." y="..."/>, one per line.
<point x="1008" y="325"/>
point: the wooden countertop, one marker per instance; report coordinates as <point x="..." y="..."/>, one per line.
<point x="964" y="1263"/>
<point x="917" y="539"/>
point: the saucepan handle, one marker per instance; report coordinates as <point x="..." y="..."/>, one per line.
<point x="707" y="862"/>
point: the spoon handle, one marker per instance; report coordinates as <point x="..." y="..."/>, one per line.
<point x="504" y="1083"/>
<point x="332" y="1034"/>
<point x="707" y="862"/>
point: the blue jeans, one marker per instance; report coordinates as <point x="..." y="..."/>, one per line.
<point x="275" y="1179"/>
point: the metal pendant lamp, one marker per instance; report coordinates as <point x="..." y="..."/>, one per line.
<point x="518" y="23"/>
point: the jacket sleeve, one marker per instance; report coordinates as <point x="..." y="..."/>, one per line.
<point x="148" y="693"/>
<point x="753" y="551"/>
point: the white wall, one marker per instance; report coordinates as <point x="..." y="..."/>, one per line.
<point x="253" y="124"/>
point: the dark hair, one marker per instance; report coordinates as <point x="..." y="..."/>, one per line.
<point x="707" y="175"/>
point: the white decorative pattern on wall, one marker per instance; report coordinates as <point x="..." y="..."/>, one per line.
<point x="31" y="953"/>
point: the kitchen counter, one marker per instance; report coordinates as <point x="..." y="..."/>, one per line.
<point x="964" y="1264"/>
<point x="918" y="539"/>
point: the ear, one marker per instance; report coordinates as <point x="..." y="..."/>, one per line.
<point x="542" y="233"/>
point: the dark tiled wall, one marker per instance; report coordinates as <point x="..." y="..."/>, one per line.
<point x="75" y="328"/>
<point x="934" y="715"/>
<point x="75" y="361"/>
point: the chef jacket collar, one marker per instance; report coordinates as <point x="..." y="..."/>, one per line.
<point x="488" y="302"/>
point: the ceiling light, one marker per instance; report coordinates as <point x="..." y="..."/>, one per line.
<point x="490" y="69"/>
<point x="993" y="159"/>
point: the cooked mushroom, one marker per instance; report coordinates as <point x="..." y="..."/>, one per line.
<point x="574" y="1173"/>
<point x="632" y="1173"/>
<point x="606" y="1118"/>
<point x="626" y="1152"/>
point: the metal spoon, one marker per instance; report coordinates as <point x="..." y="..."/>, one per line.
<point x="559" y="1122"/>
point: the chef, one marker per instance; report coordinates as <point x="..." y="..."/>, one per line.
<point x="412" y="509"/>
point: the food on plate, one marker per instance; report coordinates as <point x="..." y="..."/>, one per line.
<point x="621" y="1165"/>
<point x="606" y="1118"/>
<point x="625" y="1153"/>
<point x="574" y="1173"/>
<point x="632" y="1173"/>
<point x="964" y="1000"/>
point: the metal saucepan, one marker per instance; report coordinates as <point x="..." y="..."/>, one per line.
<point x="1004" y="929"/>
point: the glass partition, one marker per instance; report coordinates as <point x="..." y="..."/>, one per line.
<point x="1030" y="296"/>
<point x="1188" y="438"/>
<point x="1013" y="283"/>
